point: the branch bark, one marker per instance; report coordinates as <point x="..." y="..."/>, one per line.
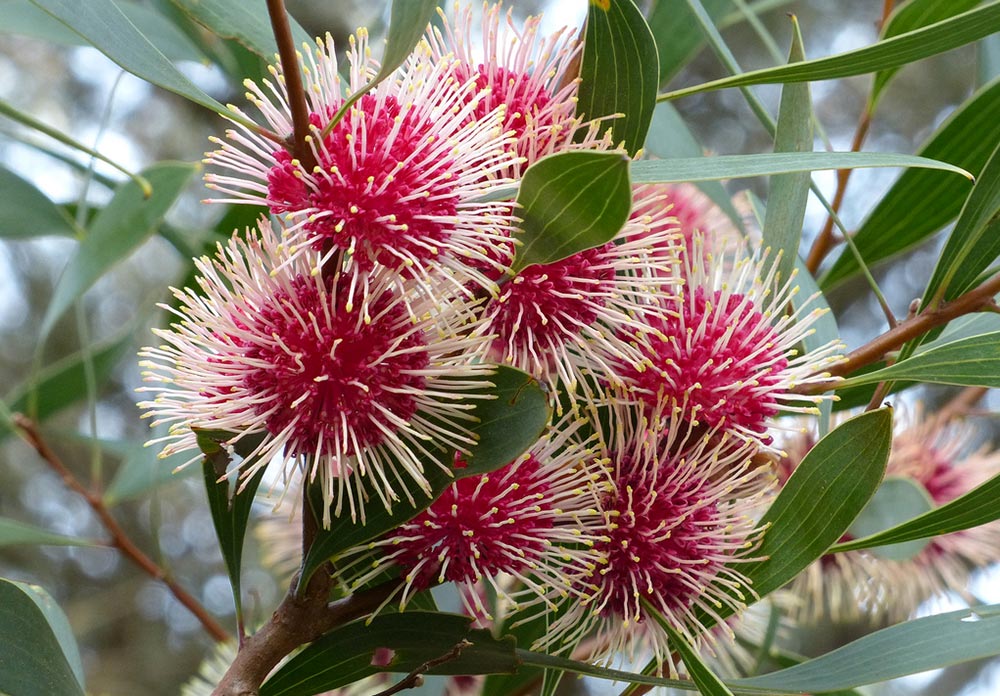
<point x="119" y="539"/>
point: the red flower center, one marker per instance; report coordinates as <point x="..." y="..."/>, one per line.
<point x="328" y="374"/>
<point x="380" y="183"/>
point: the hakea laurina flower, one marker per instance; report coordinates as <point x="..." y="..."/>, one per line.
<point x="535" y="520"/>
<point x="533" y="76"/>
<point x="861" y="586"/>
<point x="333" y="368"/>
<point x="397" y="181"/>
<point x="565" y="321"/>
<point x="726" y="347"/>
<point x="681" y="517"/>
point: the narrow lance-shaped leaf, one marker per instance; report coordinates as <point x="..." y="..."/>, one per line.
<point x="346" y="654"/>
<point x="825" y="328"/>
<point x="912" y="46"/>
<point x="243" y="20"/>
<point x="915" y="646"/>
<point x="19" y="196"/>
<point x="32" y="662"/>
<point x="407" y="22"/>
<point x="971" y="248"/>
<point x="106" y="28"/>
<point x="897" y="500"/>
<point x="922" y="201"/>
<point x="64" y="382"/>
<point x="14" y="533"/>
<point x="507" y="426"/>
<point x="669" y="138"/>
<point x="786" y="200"/>
<point x="979" y="506"/>
<point x="569" y="202"/>
<point x="230" y="508"/>
<point x="969" y="362"/>
<point x="620" y="71"/>
<point x="909" y="16"/>
<point x="707" y="682"/>
<point x="125" y="223"/>
<point x="742" y="166"/>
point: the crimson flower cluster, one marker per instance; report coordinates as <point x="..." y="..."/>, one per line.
<point x="354" y="327"/>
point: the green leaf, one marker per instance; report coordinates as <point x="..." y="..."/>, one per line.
<point x="669" y="138"/>
<point x="897" y="500"/>
<point x="912" y="46"/>
<point x="24" y="17"/>
<point x="569" y="202"/>
<point x="533" y="659"/>
<point x="46" y="217"/>
<point x="742" y="166"/>
<point x="142" y="471"/>
<point x="915" y="646"/>
<point x="124" y="224"/>
<point x="245" y="21"/>
<point x="909" y="16"/>
<point x="230" y="509"/>
<point x="507" y="426"/>
<point x="619" y="72"/>
<point x="408" y="20"/>
<point x="676" y="31"/>
<point x="969" y="362"/>
<point x="109" y="30"/>
<point x="32" y="661"/>
<point x="59" y="624"/>
<point x="825" y="330"/>
<point x="979" y="506"/>
<point x="973" y="245"/>
<point x="922" y="201"/>
<point x="821" y="499"/>
<point x="14" y="533"/>
<point x="707" y="682"/>
<point x="786" y="201"/>
<point x="62" y="383"/>
<point x="345" y="654"/>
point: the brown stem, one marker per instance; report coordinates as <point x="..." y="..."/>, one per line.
<point x="416" y="677"/>
<point x="296" y="621"/>
<point x="961" y="404"/>
<point x="119" y="539"/>
<point x="299" y="146"/>
<point x="975" y="300"/>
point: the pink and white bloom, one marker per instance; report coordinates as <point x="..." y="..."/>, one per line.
<point x="681" y="514"/>
<point x="726" y="348"/>
<point x="533" y="77"/>
<point x="566" y="322"/>
<point x="531" y="524"/>
<point x="397" y="181"/>
<point x="348" y="379"/>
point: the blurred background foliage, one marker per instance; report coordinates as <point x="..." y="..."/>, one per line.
<point x="134" y="636"/>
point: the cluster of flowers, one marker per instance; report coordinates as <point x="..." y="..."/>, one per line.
<point x="354" y="328"/>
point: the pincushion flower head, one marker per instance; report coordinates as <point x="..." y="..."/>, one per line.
<point x="397" y="181"/>
<point x="333" y="369"/>
<point x="726" y="347"/>
<point x="568" y="320"/>
<point x="532" y="76"/>
<point x="681" y="516"/>
<point x="534" y="521"/>
<point x="943" y="459"/>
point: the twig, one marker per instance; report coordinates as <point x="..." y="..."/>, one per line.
<point x="416" y="677"/>
<point x="119" y="539"/>
<point x="975" y="300"/>
<point x="961" y="404"/>
<point x="288" y="55"/>
<point x="296" y="621"/>
<point x="824" y="240"/>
